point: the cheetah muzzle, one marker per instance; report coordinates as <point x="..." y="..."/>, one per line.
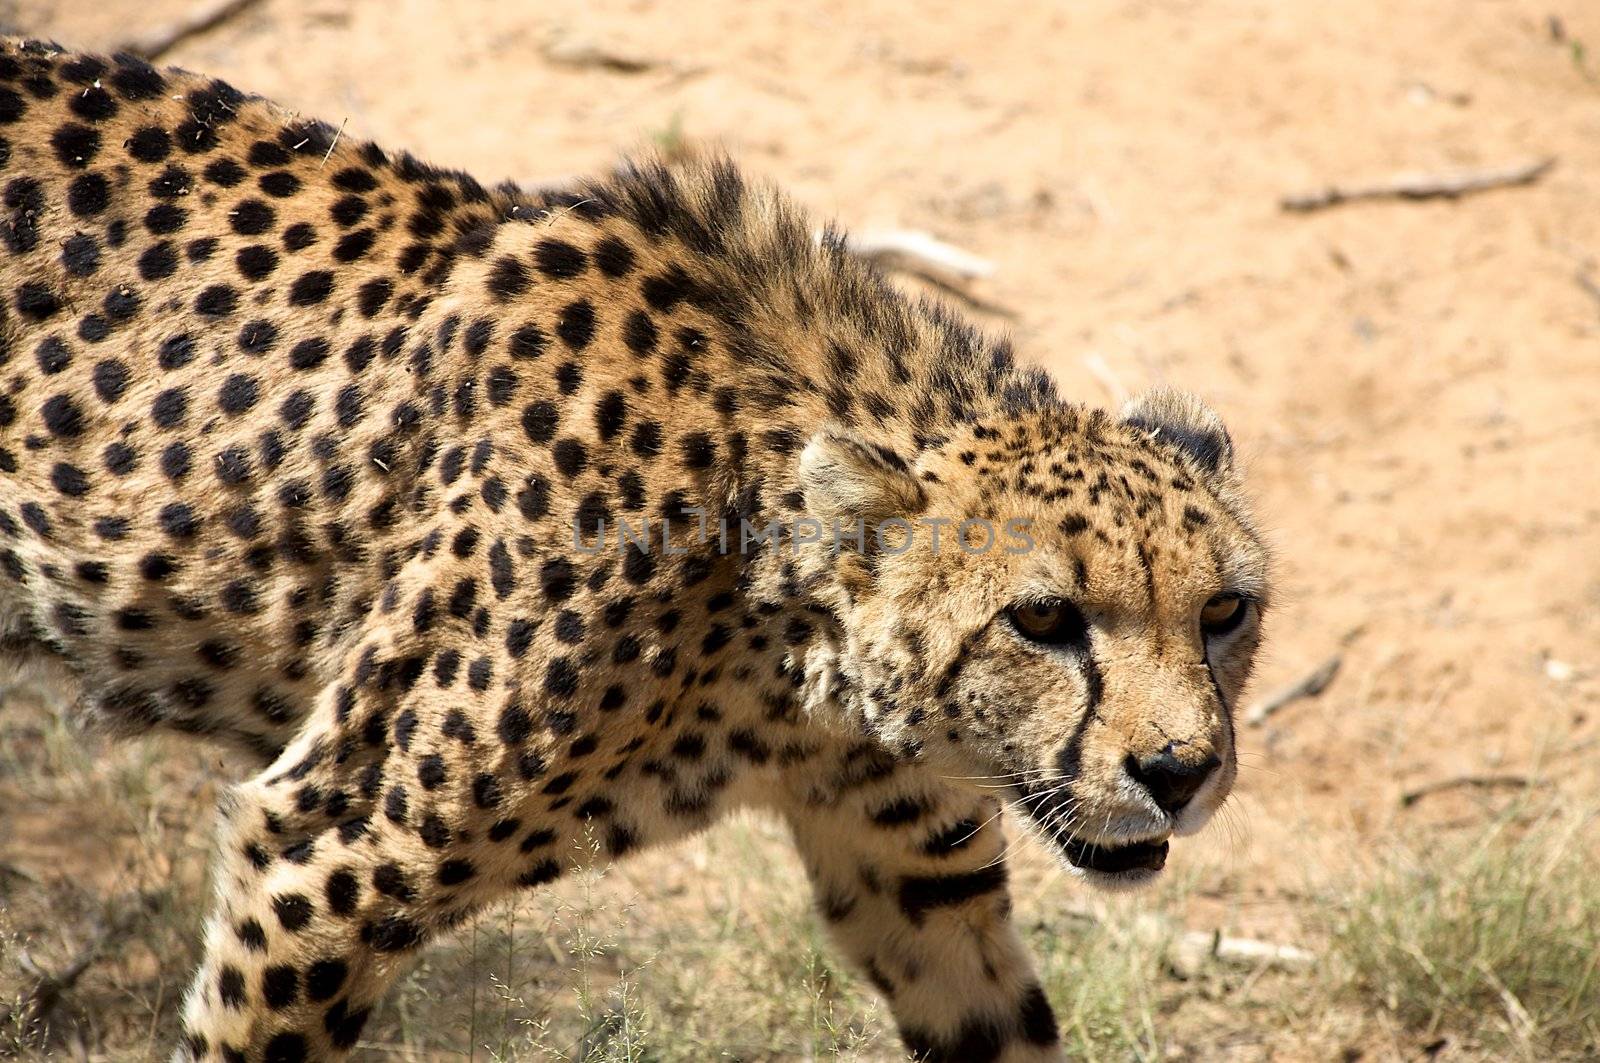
<point x="511" y="533"/>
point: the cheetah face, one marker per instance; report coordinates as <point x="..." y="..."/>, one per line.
<point x="1086" y="669"/>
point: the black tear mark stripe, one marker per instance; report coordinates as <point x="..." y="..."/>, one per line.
<point x="1070" y="759"/>
<point x="921" y="894"/>
<point x="1149" y="571"/>
<point x="1094" y="687"/>
<point x="947" y="678"/>
<point x="1216" y="688"/>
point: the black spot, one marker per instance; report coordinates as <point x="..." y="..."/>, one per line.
<point x="508" y="279"/>
<point x="355" y="179"/>
<point x="164" y="218"/>
<point x="75" y="145"/>
<point x="280" y="184"/>
<point x="150" y="144"/>
<point x="88" y="195"/>
<point x="286" y="1048"/>
<point x="431" y="772"/>
<point x="614" y="257"/>
<point x="253" y="217"/>
<point x="170" y="407"/>
<point x="638" y="565"/>
<point x="36" y="300"/>
<point x="1038" y="1022"/>
<point x="570" y="457"/>
<point x="388" y="880"/>
<point x="158" y="261"/>
<point x="373" y="295"/>
<point x="353" y="246"/>
<point x="256" y="261"/>
<point x="62" y="417"/>
<point x="324" y="978"/>
<point x="175" y="461"/>
<point x="646" y="440"/>
<point x="53" y="355"/>
<point x="311" y="288"/>
<point x="698" y="450"/>
<point x="519" y="636"/>
<point x="341" y="892"/>
<point x="224" y="173"/>
<point x="93" y="328"/>
<point x="299" y="236"/>
<point x="455" y="872"/>
<point x="219" y="300"/>
<point x="539" y="421"/>
<point x="280" y="986"/>
<point x="170" y="183"/>
<point x="238" y="394"/>
<point x="80" y="254"/>
<point x="477" y="337"/>
<point x="178" y="520"/>
<point x="501" y="385"/>
<point x="527" y="342"/>
<point x="137" y="80"/>
<point x="348" y="211"/>
<point x="557" y="579"/>
<point x="533" y="501"/>
<point x="666" y="291"/>
<point x="69" y="480"/>
<point x="557" y="258"/>
<point x="309" y="353"/>
<point x="293" y="911"/>
<point x="561" y="678"/>
<point x="230" y="986"/>
<point x="569" y="376"/>
<point x="176" y="353"/>
<point x="577" y="324"/>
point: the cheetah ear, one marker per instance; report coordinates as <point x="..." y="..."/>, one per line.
<point x="1181" y="419"/>
<point x="845" y="479"/>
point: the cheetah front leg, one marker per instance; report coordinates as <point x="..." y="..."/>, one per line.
<point x="909" y="873"/>
<point x="414" y="795"/>
<point x="333" y="867"/>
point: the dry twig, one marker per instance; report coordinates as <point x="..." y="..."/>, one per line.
<point x="202" y="18"/>
<point x="580" y="53"/>
<point x="1450" y="185"/>
<point x="1194" y="949"/>
<point x="918" y="252"/>
<point x="929" y="259"/>
<point x="1474" y="782"/>
<point x="1589" y="286"/>
<point x="1309" y="685"/>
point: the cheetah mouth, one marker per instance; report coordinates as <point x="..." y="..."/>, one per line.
<point x="1115" y="859"/>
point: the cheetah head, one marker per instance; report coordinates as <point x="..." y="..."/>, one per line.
<point x="1060" y="608"/>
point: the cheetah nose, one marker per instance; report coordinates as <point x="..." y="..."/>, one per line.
<point x="1170" y="781"/>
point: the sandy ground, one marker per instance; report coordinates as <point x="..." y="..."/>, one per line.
<point x="1416" y="385"/>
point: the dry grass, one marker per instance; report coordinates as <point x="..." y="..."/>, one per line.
<point x="1494" y="940"/>
<point x="710" y="951"/>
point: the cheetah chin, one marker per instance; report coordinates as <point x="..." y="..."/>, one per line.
<point x="1115" y="867"/>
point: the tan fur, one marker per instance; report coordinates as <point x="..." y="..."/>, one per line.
<point x="309" y="449"/>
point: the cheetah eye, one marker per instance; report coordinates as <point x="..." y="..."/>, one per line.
<point x="1054" y="622"/>
<point x="1223" y="613"/>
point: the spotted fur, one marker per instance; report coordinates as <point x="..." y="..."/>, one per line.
<point x="308" y="448"/>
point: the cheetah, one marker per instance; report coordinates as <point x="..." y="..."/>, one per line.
<point x="418" y="492"/>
